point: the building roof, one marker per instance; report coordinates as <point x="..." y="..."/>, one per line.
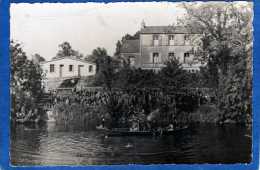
<point x="167" y="30"/>
<point x="69" y="57"/>
<point x="131" y="46"/>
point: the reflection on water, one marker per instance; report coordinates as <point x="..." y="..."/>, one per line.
<point x="58" y="145"/>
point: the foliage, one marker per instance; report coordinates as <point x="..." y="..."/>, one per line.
<point x="98" y="55"/>
<point x="26" y="79"/>
<point x="77" y="114"/>
<point x="65" y="50"/>
<point x="118" y="48"/>
<point x="227" y="40"/>
<point x="173" y="75"/>
<point x="235" y="100"/>
<point x="131" y="78"/>
<point x="127" y="77"/>
<point x="37" y="58"/>
<point x="107" y="72"/>
<point x="106" y="67"/>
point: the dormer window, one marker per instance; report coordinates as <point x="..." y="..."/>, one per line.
<point x="171" y="39"/>
<point x="155" y="40"/>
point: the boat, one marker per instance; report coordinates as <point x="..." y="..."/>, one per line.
<point x="100" y="127"/>
<point x="28" y="120"/>
<point x="118" y="132"/>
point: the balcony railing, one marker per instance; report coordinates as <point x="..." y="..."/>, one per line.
<point x="153" y="65"/>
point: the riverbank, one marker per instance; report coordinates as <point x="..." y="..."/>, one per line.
<point x="91" y="117"/>
<point x="84" y="116"/>
<point x="207" y="113"/>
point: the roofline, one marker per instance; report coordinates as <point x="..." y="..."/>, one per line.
<point x="84" y="61"/>
<point x="170" y="33"/>
<point x="131" y="53"/>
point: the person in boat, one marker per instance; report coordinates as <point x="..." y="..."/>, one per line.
<point x="67" y="101"/>
<point x="160" y="130"/>
<point x="34" y="114"/>
<point x="170" y="127"/>
<point x="103" y="121"/>
<point x="135" y="126"/>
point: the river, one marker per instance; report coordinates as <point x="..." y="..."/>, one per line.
<point x="51" y="144"/>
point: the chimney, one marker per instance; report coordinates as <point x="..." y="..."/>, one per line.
<point x="142" y="24"/>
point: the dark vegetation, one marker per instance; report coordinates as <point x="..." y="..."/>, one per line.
<point x="227" y="50"/>
<point x="26" y="77"/>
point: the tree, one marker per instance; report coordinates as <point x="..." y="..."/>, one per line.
<point x="26" y="76"/>
<point x="98" y="56"/>
<point x="223" y="25"/>
<point x="227" y="40"/>
<point x="105" y="67"/>
<point x="118" y="48"/>
<point x="67" y="51"/>
<point x="173" y="75"/>
<point x="37" y="58"/>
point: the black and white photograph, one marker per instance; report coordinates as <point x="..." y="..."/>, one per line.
<point x="131" y="83"/>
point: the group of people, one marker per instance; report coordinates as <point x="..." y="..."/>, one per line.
<point x="28" y="115"/>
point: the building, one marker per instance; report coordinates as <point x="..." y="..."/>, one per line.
<point x="58" y="70"/>
<point x="159" y="43"/>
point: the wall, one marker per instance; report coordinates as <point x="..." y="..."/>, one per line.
<point x="178" y="48"/>
<point x="53" y="80"/>
<point x="136" y="55"/>
<point x="66" y="73"/>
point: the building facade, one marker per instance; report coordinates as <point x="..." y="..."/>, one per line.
<point x="159" y="43"/>
<point x="60" y="69"/>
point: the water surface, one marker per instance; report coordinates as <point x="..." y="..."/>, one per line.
<point x="56" y="145"/>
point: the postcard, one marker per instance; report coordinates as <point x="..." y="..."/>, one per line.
<point x="140" y="84"/>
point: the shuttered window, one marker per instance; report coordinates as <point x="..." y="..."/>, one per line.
<point x="52" y="68"/>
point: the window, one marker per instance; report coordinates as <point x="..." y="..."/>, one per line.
<point x="131" y="60"/>
<point x="187" y="39"/>
<point x="155" y="58"/>
<point x="52" y="68"/>
<point x="70" y="68"/>
<point x="186" y="55"/>
<point x="155" y="40"/>
<point x="155" y="37"/>
<point x="90" y="68"/>
<point x="171" y="55"/>
<point x="171" y="39"/>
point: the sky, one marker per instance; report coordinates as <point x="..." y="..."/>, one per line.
<point x="42" y="27"/>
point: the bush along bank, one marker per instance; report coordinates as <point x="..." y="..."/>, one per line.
<point x="210" y="113"/>
<point x="77" y="114"/>
<point x="207" y="113"/>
